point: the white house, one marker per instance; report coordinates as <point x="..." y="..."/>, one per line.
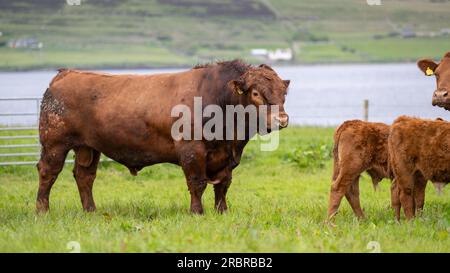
<point x="259" y="52"/>
<point x="278" y="54"/>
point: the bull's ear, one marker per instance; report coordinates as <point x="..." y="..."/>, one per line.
<point x="266" y="66"/>
<point x="286" y="83"/>
<point x="237" y="86"/>
<point x="427" y="66"/>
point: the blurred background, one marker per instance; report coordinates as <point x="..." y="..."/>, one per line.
<point x="167" y="33"/>
<point x="346" y="59"/>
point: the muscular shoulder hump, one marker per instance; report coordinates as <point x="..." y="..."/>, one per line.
<point x="62" y="72"/>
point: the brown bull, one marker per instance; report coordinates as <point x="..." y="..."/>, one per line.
<point x="441" y="96"/>
<point x="359" y="147"/>
<point x="419" y="150"/>
<point x="128" y="118"/>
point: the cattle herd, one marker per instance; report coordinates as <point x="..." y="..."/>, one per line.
<point x="128" y="118"/>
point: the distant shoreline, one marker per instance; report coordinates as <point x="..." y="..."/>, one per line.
<point x="162" y="67"/>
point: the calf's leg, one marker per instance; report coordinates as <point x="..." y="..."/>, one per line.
<point x="395" y="200"/>
<point x="406" y="192"/>
<point x="352" y="196"/>
<point x="339" y="188"/>
<point x="84" y="172"/>
<point x="419" y="193"/>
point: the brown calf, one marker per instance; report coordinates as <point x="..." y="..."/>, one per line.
<point x="358" y="147"/>
<point x="361" y="146"/>
<point x="419" y="150"/>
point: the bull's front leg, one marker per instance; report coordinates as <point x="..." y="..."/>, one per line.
<point x="220" y="191"/>
<point x="193" y="162"/>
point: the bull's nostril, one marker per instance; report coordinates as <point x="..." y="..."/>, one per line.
<point x="445" y="94"/>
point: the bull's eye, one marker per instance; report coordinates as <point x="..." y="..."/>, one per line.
<point x="255" y="93"/>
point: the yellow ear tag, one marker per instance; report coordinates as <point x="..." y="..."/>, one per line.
<point x="240" y="92"/>
<point x="429" y="72"/>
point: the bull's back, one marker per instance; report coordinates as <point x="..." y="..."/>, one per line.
<point x="108" y="99"/>
<point x="127" y="117"/>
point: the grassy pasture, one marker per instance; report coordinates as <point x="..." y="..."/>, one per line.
<point x="277" y="201"/>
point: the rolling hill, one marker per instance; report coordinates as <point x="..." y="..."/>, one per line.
<point x="154" y="33"/>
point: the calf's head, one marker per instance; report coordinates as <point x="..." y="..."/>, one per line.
<point x="262" y="86"/>
<point x="441" y="71"/>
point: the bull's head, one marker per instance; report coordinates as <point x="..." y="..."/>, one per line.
<point x="441" y="71"/>
<point x="262" y="86"/>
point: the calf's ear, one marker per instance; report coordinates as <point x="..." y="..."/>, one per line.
<point x="237" y="86"/>
<point x="286" y="83"/>
<point x="427" y="66"/>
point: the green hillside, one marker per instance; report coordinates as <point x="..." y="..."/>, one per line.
<point x="130" y="33"/>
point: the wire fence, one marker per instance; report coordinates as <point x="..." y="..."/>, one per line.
<point x="19" y="145"/>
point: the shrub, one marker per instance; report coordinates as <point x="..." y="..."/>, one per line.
<point x="310" y="155"/>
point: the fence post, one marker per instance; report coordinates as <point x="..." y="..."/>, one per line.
<point x="366" y="110"/>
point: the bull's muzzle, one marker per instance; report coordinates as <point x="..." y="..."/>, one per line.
<point x="282" y="120"/>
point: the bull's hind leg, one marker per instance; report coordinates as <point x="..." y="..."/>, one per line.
<point x="193" y="163"/>
<point x="352" y="196"/>
<point x="49" y="166"/>
<point x="84" y="171"/>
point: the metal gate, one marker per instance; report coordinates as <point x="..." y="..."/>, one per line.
<point x="19" y="145"/>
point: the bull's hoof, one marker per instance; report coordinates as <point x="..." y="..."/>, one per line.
<point x="221" y="208"/>
<point x="41" y="207"/>
<point x="197" y="210"/>
<point x="361" y="217"/>
<point x="89" y="209"/>
<point x="330" y="223"/>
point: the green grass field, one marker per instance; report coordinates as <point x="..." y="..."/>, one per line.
<point x="155" y="33"/>
<point x="277" y="201"/>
